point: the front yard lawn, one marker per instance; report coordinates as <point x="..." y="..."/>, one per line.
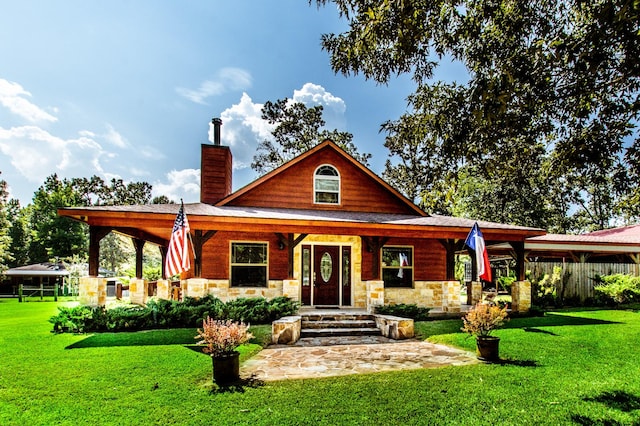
<point x="569" y="367"/>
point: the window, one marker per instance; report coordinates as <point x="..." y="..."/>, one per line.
<point x="397" y="266"/>
<point x="248" y="264"/>
<point x="326" y="183"/>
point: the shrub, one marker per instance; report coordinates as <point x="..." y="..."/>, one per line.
<point x="222" y="337"/>
<point x="483" y="319"/>
<point x="71" y="319"/>
<point x="405" y="310"/>
<point x="160" y="313"/>
<point x="618" y="288"/>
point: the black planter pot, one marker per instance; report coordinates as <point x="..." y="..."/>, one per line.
<point x="226" y="369"/>
<point x="488" y="348"/>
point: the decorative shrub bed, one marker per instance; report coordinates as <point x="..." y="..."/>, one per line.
<point x="170" y="314"/>
<point x="617" y="289"/>
<point x="405" y="311"/>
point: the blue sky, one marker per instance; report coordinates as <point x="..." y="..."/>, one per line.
<point x="127" y="89"/>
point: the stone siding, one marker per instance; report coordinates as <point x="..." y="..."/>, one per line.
<point x="443" y="295"/>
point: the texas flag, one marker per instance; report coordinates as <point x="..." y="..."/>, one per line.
<point x="475" y="241"/>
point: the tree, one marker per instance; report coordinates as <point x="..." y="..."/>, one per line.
<point x="558" y="79"/>
<point x="19" y="233"/>
<point x="5" y="238"/>
<point x="298" y="128"/>
<point x="52" y="235"/>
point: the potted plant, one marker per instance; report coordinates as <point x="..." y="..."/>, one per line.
<point x="481" y="321"/>
<point x="222" y="338"/>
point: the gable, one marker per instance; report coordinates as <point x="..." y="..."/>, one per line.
<point x="292" y="186"/>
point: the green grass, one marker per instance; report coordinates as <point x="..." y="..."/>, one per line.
<point x="570" y="367"/>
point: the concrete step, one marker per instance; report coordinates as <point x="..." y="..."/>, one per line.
<point x="337" y="317"/>
<point x="334" y="332"/>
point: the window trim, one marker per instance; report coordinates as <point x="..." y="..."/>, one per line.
<point x="411" y="266"/>
<point x="337" y="178"/>
<point x="232" y="264"/>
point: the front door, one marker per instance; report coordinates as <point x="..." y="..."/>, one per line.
<point x="326" y="275"/>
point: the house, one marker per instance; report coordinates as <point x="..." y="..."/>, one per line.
<point x="322" y="229"/>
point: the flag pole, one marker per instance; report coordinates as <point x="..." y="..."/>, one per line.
<point x="193" y="249"/>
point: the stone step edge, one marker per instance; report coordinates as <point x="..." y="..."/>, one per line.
<point x="326" y="332"/>
<point x="339" y="324"/>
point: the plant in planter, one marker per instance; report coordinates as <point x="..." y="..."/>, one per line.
<point x="222" y="338"/>
<point x="481" y="321"/>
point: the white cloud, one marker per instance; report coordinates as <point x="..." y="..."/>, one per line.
<point x="114" y="138"/>
<point x="36" y="153"/>
<point x="12" y="97"/>
<point x="227" y="79"/>
<point x="333" y="107"/>
<point x="243" y="128"/>
<point x="180" y="184"/>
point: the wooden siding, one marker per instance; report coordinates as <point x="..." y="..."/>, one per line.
<point x="581" y="280"/>
<point x="429" y="258"/>
<point x="216" y="255"/>
<point x="294" y="188"/>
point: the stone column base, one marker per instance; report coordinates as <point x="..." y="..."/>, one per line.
<point x="138" y="291"/>
<point x="92" y="291"/>
<point x="520" y="296"/>
<point x="375" y="295"/>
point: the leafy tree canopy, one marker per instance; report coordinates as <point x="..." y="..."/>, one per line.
<point x="553" y="87"/>
<point x="298" y="128"/>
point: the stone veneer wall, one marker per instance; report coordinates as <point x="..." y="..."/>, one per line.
<point x="443" y="295"/>
<point x="520" y="296"/>
<point x="200" y="287"/>
<point x="92" y="291"/>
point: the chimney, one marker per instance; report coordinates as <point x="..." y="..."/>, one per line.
<point x="215" y="168"/>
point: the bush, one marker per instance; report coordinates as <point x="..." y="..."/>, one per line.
<point x="617" y="289"/>
<point x="405" y="311"/>
<point x="160" y="313"/>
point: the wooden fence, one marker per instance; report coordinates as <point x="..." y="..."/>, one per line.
<point x="581" y="277"/>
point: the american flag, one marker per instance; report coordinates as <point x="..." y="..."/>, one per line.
<point x="178" y="254"/>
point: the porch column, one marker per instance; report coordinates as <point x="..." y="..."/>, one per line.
<point x="138" y="291"/>
<point x="199" y="239"/>
<point x="375" y="295"/>
<point x="96" y="234"/>
<point x="163" y="254"/>
<point x="164" y="289"/>
<point x="451" y="296"/>
<point x="291" y="289"/>
<point x="518" y="248"/>
<point x="520" y="296"/>
<point x="92" y="291"/>
<point x="450" y="247"/>
<point x="476" y="292"/>
<point x="289" y="242"/>
<point x="138" y="244"/>
<point x="373" y="245"/>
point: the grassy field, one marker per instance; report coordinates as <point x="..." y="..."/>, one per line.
<point x="574" y="367"/>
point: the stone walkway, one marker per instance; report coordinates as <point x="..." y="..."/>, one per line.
<point x="325" y="357"/>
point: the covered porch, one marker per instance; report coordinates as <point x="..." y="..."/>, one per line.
<point x="289" y="236"/>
